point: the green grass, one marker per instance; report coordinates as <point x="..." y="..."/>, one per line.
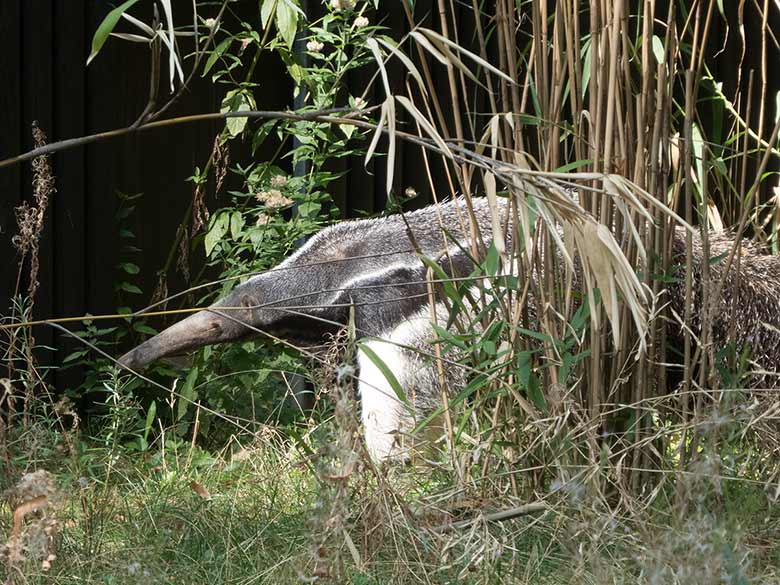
<point x="128" y="518"/>
<point x="259" y="514"/>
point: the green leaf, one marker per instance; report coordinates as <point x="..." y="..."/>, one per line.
<point x="129" y="267"/>
<point x="106" y="27"/>
<point x="448" y="337"/>
<point x="347" y="129"/>
<point x="309" y="209"/>
<point x="267" y="11"/>
<point x="386" y="372"/>
<point x="573" y="165"/>
<point x="75" y="355"/>
<point x="131" y="288"/>
<point x="216" y="232"/>
<point x="286" y="22"/>
<point x="262" y="133"/>
<point x="187" y="393"/>
<point x="237" y="100"/>
<point x="586" y="56"/>
<point x="492" y="260"/>
<point x="236" y="223"/>
<point x="150" y="415"/>
<point x="216" y="54"/>
<point x="144" y="328"/>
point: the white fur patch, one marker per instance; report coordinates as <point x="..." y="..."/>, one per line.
<point x="382" y="412"/>
<point x="387" y="420"/>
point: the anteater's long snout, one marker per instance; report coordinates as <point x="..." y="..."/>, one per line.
<point x="198" y="330"/>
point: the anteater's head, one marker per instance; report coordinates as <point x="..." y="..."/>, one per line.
<point x="233" y="318"/>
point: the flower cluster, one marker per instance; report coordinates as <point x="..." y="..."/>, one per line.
<point x="273" y="198"/>
<point x="315" y="46"/>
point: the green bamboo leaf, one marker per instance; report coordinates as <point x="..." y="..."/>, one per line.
<point x="131" y="288"/>
<point x="106" y="27"/>
<point x="386" y="372"/>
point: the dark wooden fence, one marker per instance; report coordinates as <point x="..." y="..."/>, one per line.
<point x="43" y="49"/>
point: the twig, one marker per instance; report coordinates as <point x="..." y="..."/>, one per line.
<point x="194" y="70"/>
<point x="315" y="116"/>
<point x="499" y="516"/>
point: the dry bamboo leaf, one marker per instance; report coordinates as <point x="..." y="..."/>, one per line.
<point x="140" y="24"/>
<point x="130" y="37"/>
<point x="603" y="259"/>
<point x="175" y="65"/>
<point x="426" y="44"/>
<point x="390" y="104"/>
<point x="426" y="125"/>
<point x="454" y="60"/>
<point x="352" y="549"/>
<point x="716" y="221"/>
<point x="410" y="66"/>
<point x="374" y="48"/>
<point x="377" y="133"/>
<point x="499" y="241"/>
<point x="494" y="131"/>
<point x="476" y="58"/>
<point x="173" y="60"/>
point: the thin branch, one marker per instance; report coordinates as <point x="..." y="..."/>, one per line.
<point x="500" y="516"/>
<point x="315" y="116"/>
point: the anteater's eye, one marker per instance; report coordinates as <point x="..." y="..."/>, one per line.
<point x="247" y="301"/>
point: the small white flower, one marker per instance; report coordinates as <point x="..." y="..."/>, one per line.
<point x="361" y="21"/>
<point x="342" y="4"/>
<point x="210" y="22"/>
<point x="278" y="180"/>
<point x="262" y="219"/>
<point x="314" y="46"/>
<point x="360" y="103"/>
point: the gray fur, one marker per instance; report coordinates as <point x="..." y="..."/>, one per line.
<point x="747" y="308"/>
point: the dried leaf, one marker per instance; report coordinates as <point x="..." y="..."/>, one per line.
<point x="426" y="125"/>
<point x="200" y="490"/>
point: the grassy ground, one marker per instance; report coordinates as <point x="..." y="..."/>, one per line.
<point x="259" y="514"/>
<point x="183" y="518"/>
